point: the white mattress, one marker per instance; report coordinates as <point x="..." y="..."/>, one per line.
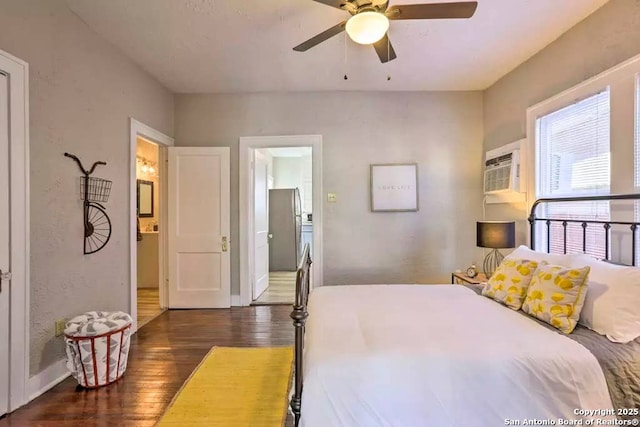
<point x="437" y="355"/>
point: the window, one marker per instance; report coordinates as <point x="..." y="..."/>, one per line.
<point x="573" y="159"/>
<point x="637" y="160"/>
<point x="637" y="133"/>
<point x="571" y="154"/>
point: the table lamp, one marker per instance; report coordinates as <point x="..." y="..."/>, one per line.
<point x="495" y="235"/>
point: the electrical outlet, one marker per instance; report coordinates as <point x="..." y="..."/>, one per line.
<point x="60" y="327"/>
<point x="331" y="197"/>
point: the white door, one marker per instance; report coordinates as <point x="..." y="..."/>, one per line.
<point x="199" y="224"/>
<point x="4" y="243"/>
<point x="261" y="225"/>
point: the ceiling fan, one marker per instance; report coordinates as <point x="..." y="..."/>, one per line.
<point x="369" y="21"/>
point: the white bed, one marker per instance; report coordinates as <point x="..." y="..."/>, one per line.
<point x="437" y="355"/>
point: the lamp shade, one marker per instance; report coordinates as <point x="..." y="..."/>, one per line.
<point x="367" y="27"/>
<point x="496" y="234"/>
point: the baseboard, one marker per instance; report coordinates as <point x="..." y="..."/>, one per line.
<point x="47" y="379"/>
<point x="236" y="301"/>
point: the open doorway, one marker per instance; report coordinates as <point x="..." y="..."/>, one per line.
<point x="148" y="248"/>
<point x="140" y="131"/>
<point x="280" y="211"/>
<point x="283" y="220"/>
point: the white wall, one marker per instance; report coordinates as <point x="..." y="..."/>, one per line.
<point x="287" y="172"/>
<point x="441" y="131"/>
<point x="82" y="92"/>
<point x="604" y="39"/>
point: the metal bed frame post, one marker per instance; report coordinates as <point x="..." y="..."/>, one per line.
<point x="606" y="225"/>
<point x="299" y="316"/>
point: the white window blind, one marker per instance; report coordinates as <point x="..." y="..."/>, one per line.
<point x="573" y="159"/>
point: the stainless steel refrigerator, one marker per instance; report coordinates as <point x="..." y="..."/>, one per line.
<point x="285" y="228"/>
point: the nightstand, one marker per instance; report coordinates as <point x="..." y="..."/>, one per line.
<point x="462" y="279"/>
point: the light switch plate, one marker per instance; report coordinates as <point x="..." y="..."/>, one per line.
<point x="331" y="197"/>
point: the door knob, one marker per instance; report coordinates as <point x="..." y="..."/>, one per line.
<point x="270" y="236"/>
<point x="224" y="243"/>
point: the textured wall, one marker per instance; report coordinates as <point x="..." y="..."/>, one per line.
<point x="82" y="92"/>
<point x="606" y="38"/>
<point x="441" y="131"/>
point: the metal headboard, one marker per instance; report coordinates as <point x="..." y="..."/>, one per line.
<point x="606" y="225"/>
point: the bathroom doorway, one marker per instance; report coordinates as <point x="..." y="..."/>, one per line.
<point x="149" y="242"/>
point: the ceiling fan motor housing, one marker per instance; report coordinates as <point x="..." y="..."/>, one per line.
<point x="357" y="6"/>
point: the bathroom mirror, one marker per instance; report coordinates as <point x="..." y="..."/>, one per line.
<point x="145" y="198"/>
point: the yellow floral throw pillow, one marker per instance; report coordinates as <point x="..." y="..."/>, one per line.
<point x="510" y="281"/>
<point x="556" y="295"/>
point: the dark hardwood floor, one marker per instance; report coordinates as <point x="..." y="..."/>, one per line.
<point x="163" y="354"/>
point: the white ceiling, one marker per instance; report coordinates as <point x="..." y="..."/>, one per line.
<point x="224" y="46"/>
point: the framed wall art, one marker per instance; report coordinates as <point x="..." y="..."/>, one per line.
<point x="394" y="187"/>
<point x="145" y="198"/>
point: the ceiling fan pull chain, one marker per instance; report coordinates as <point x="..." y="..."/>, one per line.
<point x="388" y="52"/>
<point x="345" y="57"/>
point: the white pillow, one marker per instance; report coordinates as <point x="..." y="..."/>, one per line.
<point x="612" y="304"/>
<point x="523" y="252"/>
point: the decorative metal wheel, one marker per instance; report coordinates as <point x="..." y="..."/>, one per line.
<point x="97" y="228"/>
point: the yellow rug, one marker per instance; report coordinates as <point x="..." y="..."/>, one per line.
<point x="235" y="387"/>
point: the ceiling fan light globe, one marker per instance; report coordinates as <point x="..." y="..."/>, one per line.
<point x="367" y="27"/>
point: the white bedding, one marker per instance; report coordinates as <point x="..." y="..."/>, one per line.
<point x="437" y="355"/>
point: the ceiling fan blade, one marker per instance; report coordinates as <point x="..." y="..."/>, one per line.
<point x="325" y="35"/>
<point x="384" y="49"/>
<point x="433" y="10"/>
<point x="333" y="3"/>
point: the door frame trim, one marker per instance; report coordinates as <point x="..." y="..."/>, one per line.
<point x="139" y="129"/>
<point x="19" y="352"/>
<point x="247" y="145"/>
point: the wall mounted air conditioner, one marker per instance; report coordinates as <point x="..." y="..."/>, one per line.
<point x="502" y="171"/>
